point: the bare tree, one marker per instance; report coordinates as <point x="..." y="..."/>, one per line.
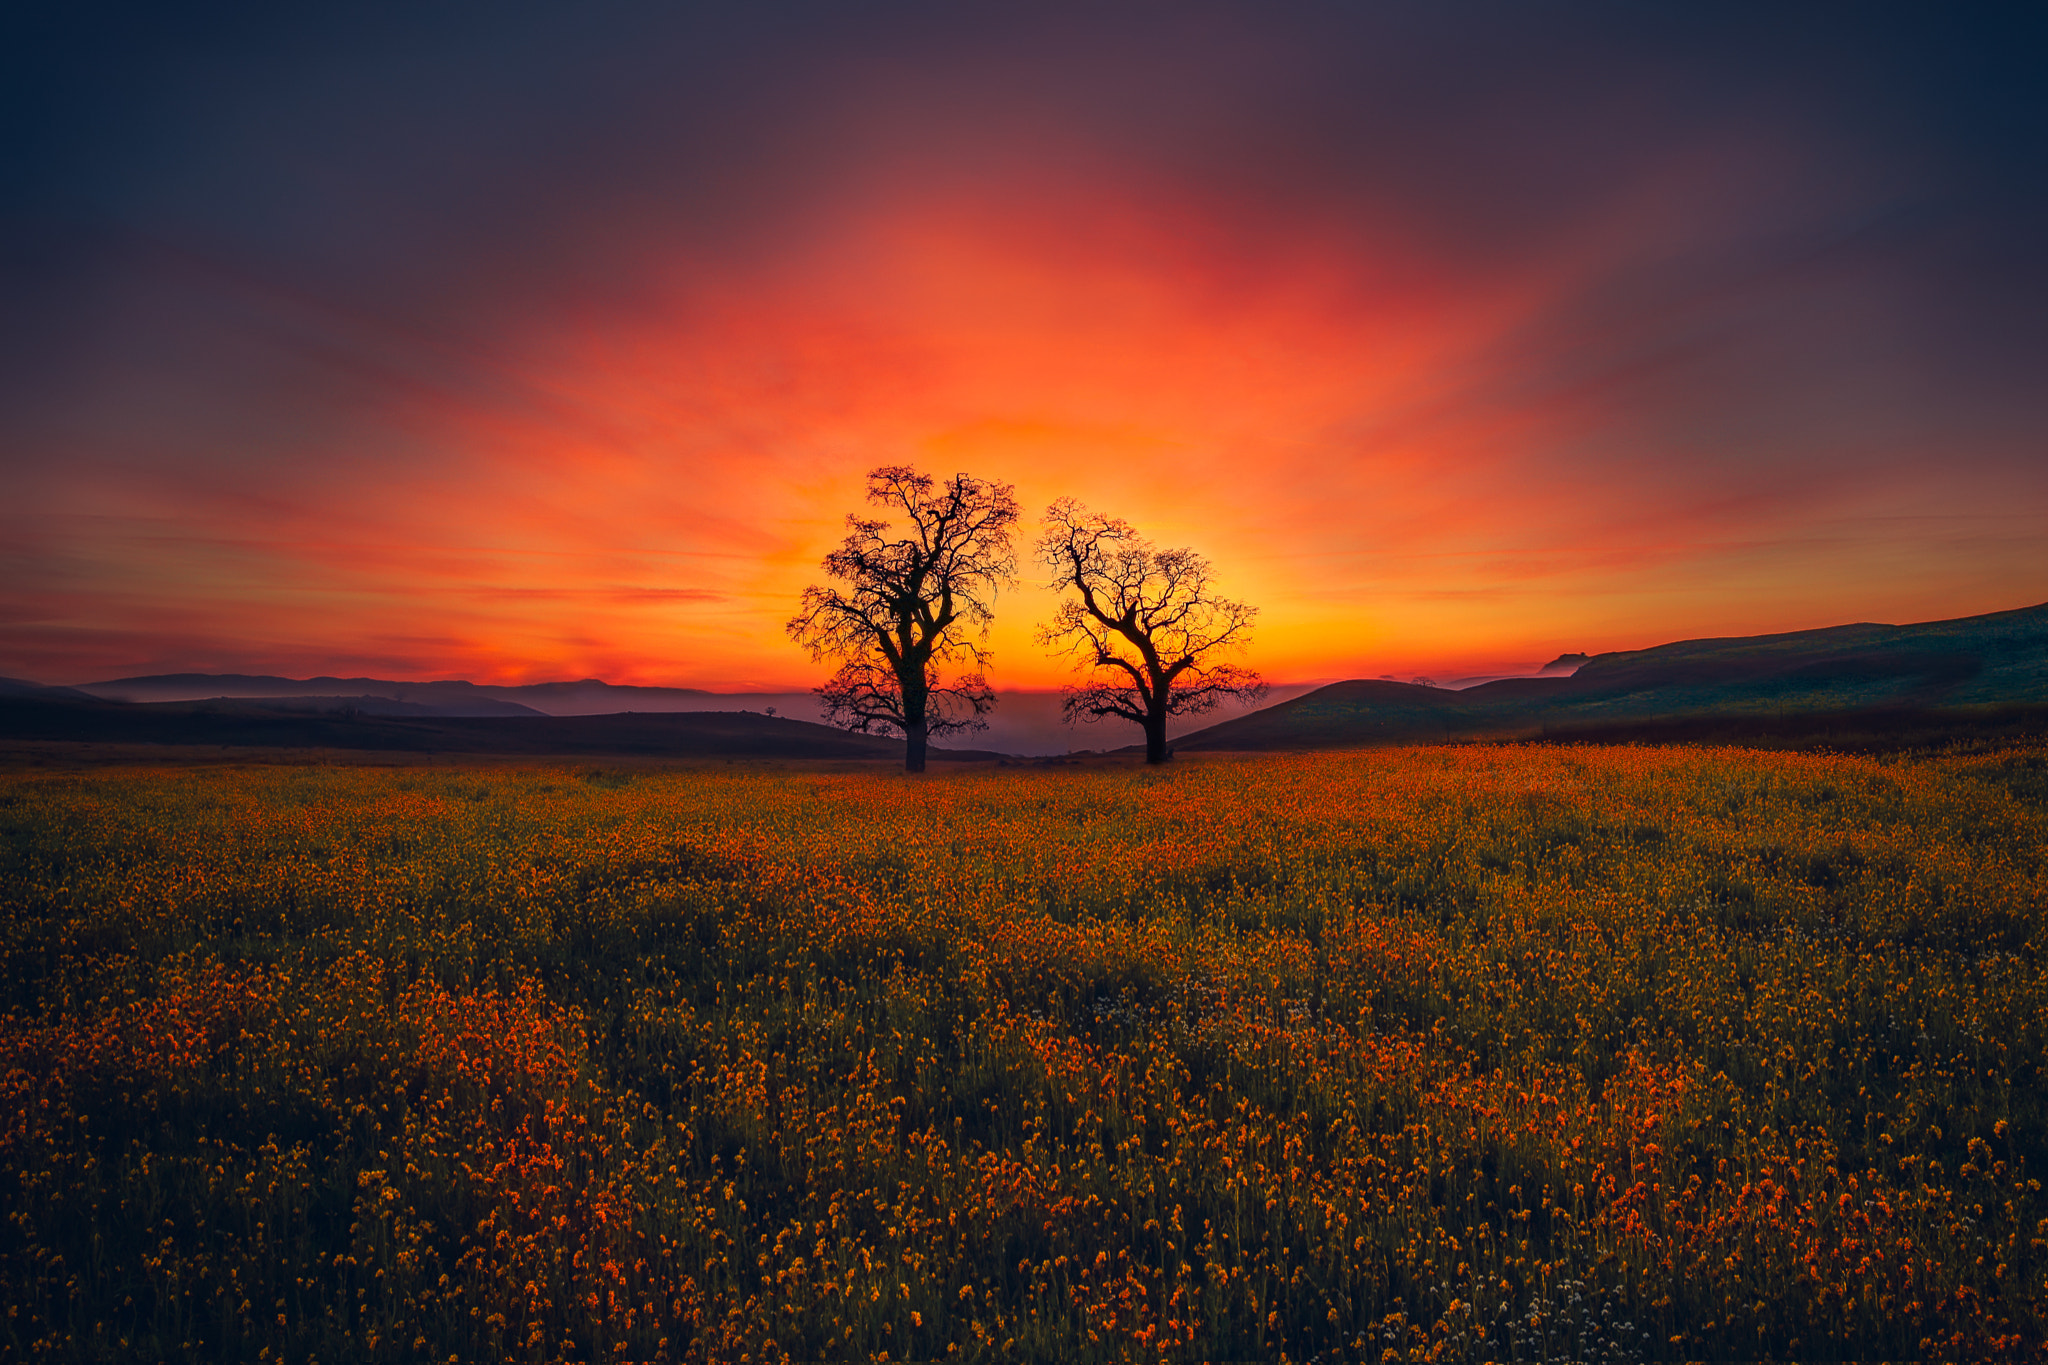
<point x="907" y="604"/>
<point x="1145" y="627"/>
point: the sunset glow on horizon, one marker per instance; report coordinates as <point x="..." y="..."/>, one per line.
<point x="1440" y="383"/>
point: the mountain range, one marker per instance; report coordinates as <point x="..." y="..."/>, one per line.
<point x="450" y="697"/>
<point x="1843" y="684"/>
<point x="266" y="723"/>
<point x="1024" y="721"/>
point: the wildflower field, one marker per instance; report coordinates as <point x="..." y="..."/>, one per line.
<point x="1468" y="1053"/>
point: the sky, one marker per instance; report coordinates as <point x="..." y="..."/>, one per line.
<point x="523" y="342"/>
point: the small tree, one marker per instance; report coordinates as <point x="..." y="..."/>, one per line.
<point x="907" y="604"/>
<point x="1146" y="625"/>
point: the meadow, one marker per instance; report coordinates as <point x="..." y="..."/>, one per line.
<point x="1459" y="1054"/>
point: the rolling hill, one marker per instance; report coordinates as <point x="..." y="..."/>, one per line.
<point x="28" y="716"/>
<point x="1852" y="679"/>
<point x="1841" y="685"/>
<point x="448" y="697"/>
<point x="1025" y="721"/>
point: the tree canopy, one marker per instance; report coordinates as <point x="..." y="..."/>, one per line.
<point x="1148" y="631"/>
<point x="911" y="596"/>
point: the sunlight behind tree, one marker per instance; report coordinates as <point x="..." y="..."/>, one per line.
<point x="1145" y="627"/>
<point x="910" y="604"/>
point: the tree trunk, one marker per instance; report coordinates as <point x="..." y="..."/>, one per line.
<point x="913" y="746"/>
<point x="1155" y="738"/>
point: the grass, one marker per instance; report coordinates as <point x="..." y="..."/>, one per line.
<point x="1457" y="1054"/>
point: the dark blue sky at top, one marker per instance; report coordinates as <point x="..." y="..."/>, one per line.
<point x="428" y="149"/>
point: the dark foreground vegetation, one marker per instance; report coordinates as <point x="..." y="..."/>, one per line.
<point x="1453" y="1054"/>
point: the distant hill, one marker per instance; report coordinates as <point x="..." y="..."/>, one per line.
<point x="15" y="687"/>
<point x="1870" y="677"/>
<point x="449" y="697"/>
<point x="247" y="723"/>
<point x="1024" y="721"/>
<point x="1876" y="680"/>
<point x="356" y="706"/>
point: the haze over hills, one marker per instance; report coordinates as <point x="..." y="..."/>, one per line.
<point x="260" y="723"/>
<point x="20" y="687"/>
<point x="1931" y="674"/>
<point x="1876" y="674"/>
<point x="1024" y="721"/>
<point x="366" y="705"/>
<point x="1563" y="666"/>
<point x="453" y="697"/>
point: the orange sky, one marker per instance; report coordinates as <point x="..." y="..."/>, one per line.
<point x="1643" y="419"/>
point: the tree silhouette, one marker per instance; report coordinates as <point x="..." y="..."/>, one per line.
<point x="907" y="604"/>
<point x="1145" y="625"/>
